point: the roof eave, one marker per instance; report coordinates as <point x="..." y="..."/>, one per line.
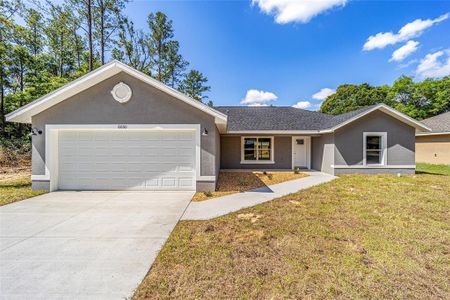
<point x="25" y="113"/>
<point x="432" y="133"/>
<point x="390" y="111"/>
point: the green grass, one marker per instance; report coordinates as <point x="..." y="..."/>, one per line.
<point x="15" y="190"/>
<point x="373" y="236"/>
<point x="433" y="169"/>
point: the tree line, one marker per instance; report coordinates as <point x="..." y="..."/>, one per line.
<point x="419" y="100"/>
<point x="45" y="45"/>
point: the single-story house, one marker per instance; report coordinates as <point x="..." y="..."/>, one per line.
<point x="434" y="147"/>
<point x="117" y="129"/>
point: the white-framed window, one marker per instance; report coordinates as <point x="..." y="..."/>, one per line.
<point x="257" y="150"/>
<point x="374" y="148"/>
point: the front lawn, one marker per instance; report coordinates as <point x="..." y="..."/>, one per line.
<point x="376" y="236"/>
<point x="237" y="182"/>
<point x="433" y="169"/>
<point x="16" y="189"/>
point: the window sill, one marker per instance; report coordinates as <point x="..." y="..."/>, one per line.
<point x="257" y="162"/>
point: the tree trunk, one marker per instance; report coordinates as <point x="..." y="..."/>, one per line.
<point x="159" y="61"/>
<point x="2" y="105"/>
<point x="89" y="23"/>
<point x="102" y="31"/>
<point x="77" y="47"/>
<point x="2" y="93"/>
<point x="61" y="55"/>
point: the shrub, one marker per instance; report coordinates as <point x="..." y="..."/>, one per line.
<point x="15" y="153"/>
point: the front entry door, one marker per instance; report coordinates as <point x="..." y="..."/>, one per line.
<point x="300" y="152"/>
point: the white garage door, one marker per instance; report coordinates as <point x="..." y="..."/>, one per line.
<point x="126" y="160"/>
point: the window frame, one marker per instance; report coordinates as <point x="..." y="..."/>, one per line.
<point x="257" y="161"/>
<point x="383" y="150"/>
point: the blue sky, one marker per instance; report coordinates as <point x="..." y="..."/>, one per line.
<point x="288" y="53"/>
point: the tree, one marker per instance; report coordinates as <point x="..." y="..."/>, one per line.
<point x="349" y="97"/>
<point x="176" y="65"/>
<point x="194" y="85"/>
<point x="8" y="9"/>
<point x="108" y="16"/>
<point x="131" y="47"/>
<point x="161" y="34"/>
<point x="418" y="100"/>
<point x="59" y="33"/>
<point x="85" y="8"/>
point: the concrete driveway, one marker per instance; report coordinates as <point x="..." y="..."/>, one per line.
<point x="83" y="244"/>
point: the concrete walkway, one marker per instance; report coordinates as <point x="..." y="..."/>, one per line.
<point x="223" y="205"/>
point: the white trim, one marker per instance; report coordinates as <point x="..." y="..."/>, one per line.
<point x="259" y="162"/>
<point x="51" y="145"/>
<point x="127" y="95"/>
<point x="40" y="177"/>
<point x="383" y="149"/>
<point x="373" y="167"/>
<point x="432" y="133"/>
<point x="270" y="132"/>
<point x="308" y="150"/>
<point x="24" y="114"/>
<point x="206" y="178"/>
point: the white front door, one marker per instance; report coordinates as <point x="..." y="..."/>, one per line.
<point x="301" y="152"/>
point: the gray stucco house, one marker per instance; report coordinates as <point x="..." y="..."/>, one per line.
<point x="117" y="128"/>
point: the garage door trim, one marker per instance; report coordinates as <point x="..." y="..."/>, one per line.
<point x="51" y="143"/>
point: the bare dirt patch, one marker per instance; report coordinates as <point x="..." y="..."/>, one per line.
<point x="237" y="182"/>
<point x="10" y="173"/>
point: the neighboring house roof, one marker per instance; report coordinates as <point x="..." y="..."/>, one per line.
<point x="289" y="119"/>
<point x="24" y="114"/>
<point x="439" y="124"/>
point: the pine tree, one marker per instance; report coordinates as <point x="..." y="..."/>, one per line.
<point x="175" y="65"/>
<point x="131" y="47"/>
<point x="161" y="34"/>
<point x="108" y="17"/>
<point x="194" y="85"/>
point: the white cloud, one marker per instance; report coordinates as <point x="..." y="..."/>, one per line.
<point x="302" y="104"/>
<point x="434" y="65"/>
<point x="410" y="30"/>
<point x="404" y="51"/>
<point x="302" y="11"/>
<point x="323" y="94"/>
<point x="258" y="98"/>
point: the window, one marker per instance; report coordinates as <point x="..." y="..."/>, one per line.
<point x="257" y="150"/>
<point x="300" y="141"/>
<point x="374" y="148"/>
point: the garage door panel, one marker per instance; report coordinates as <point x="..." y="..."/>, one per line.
<point x="127" y="159"/>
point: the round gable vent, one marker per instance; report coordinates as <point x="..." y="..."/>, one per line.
<point x="121" y="92"/>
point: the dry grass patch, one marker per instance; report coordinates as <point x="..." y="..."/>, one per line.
<point x="358" y="237"/>
<point x="237" y="182"/>
<point x="11" y="173"/>
<point x="16" y="189"/>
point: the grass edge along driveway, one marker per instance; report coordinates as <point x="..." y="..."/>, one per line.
<point x="16" y="190"/>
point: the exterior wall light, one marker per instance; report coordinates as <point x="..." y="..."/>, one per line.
<point x="35" y="131"/>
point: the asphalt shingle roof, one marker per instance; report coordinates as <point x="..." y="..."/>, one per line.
<point x="245" y="118"/>
<point x="439" y="123"/>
